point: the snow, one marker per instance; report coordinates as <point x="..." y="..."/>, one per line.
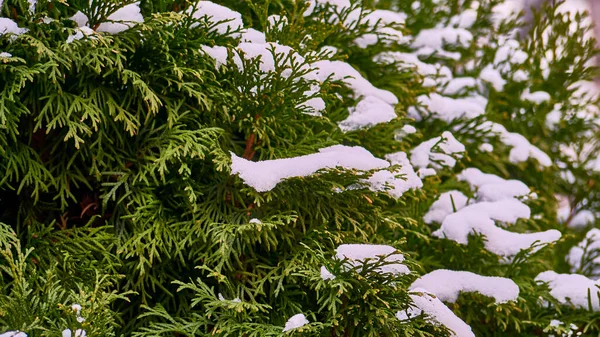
<point x="586" y="254"/>
<point x="227" y="19"/>
<point x="235" y="300"/>
<point x="368" y="112"/>
<point x="357" y="254"/>
<point x="13" y="333"/>
<point x="486" y="147"/>
<point x="572" y="289"/>
<point x="448" y="284"/>
<point x="80" y="33"/>
<point x="426" y="172"/>
<point x="437" y="313"/>
<point x="537" y="97"/>
<point x="581" y="219"/>
<point x="5" y="55"/>
<point x="69" y="333"/>
<point x="377" y="20"/>
<point x="77" y="308"/>
<point x="276" y="22"/>
<point x="445" y="205"/>
<point x="465" y="19"/>
<point x="437" y="37"/>
<point x="253" y="36"/>
<point x="509" y="53"/>
<point x="422" y="155"/>
<point x="296" y="321"/>
<point x="266" y="52"/>
<point x="343" y="71"/>
<point x="491" y="187"/>
<point x="255" y="221"/>
<point x="409" y="129"/>
<point x="458" y="85"/>
<point x="386" y="181"/>
<point x="123" y="19"/>
<point x="479" y="218"/>
<point x="8" y="26"/>
<point x="265" y="175"/>
<point x="326" y="274"/>
<point x="448" y="109"/>
<point x="522" y="149"/>
<point x="80" y="19"/>
<point x="491" y="75"/>
<point x="410" y="60"/>
<point x="338" y="4"/>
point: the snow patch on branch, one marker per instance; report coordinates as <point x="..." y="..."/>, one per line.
<point x="447" y="203"/>
<point x="490" y="187"/>
<point x="295" y="322"/>
<point x="449" y="109"/>
<point x="448" y="284"/>
<point x="436" y="312"/>
<point x="586" y="254"/>
<point x="479" y="219"/>
<point x="265" y="175"/>
<point x="357" y="254"/>
<point x="572" y="289"/>
<point x="226" y="20"/>
<point x="385" y="180"/>
<point x="423" y="156"/>
<point x="342" y="71"/>
<point x="368" y="112"/>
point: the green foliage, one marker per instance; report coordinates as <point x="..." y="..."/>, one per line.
<point x="116" y="190"/>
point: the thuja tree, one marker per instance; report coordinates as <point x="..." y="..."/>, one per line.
<point x="399" y="168"/>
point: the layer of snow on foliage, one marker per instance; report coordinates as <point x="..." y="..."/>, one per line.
<point x="574" y="219"/>
<point x="458" y="85"/>
<point x="80" y="33"/>
<point x="537" y="97"/>
<point x="448" y="284"/>
<point x="253" y="36"/>
<point x="448" y="109"/>
<point x="385" y="180"/>
<point x="122" y="19"/>
<point x="264" y="175"/>
<point x="491" y="75"/>
<point x="522" y="149"/>
<point x="357" y="254"/>
<point x="69" y="333"/>
<point x="572" y="288"/>
<point x="479" y="218"/>
<point x="448" y="203"/>
<point x="436" y="312"/>
<point x="586" y="254"/>
<point x="434" y="73"/>
<point x="8" y="26"/>
<point x="13" y="334"/>
<point x="490" y="187"/>
<point x="377" y="20"/>
<point x="447" y="146"/>
<point x="343" y="71"/>
<point x="337" y="4"/>
<point x="119" y="21"/>
<point x="368" y="112"/>
<point x="227" y="19"/>
<point x="326" y="274"/>
<point x="437" y="37"/>
<point x="296" y="321"/>
<point x="465" y="19"/>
